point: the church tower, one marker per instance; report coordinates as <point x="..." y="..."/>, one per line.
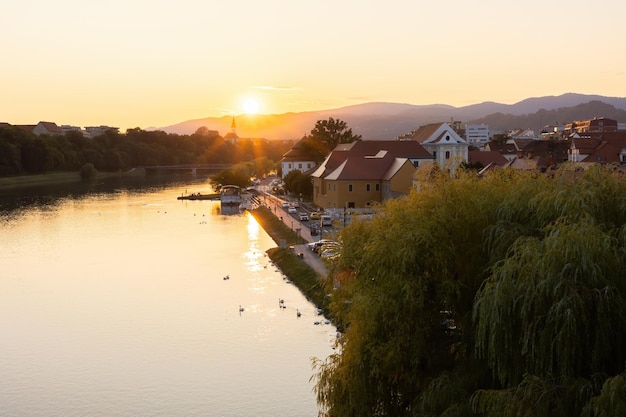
<point x="232" y="135"/>
<point x="573" y="153"/>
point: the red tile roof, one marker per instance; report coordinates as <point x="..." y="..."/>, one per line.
<point x="425" y="132"/>
<point x="51" y="127"/>
<point x="486" y="158"/>
<point x="360" y="168"/>
<point x="370" y="148"/>
<point x="585" y="146"/>
<point x="607" y="152"/>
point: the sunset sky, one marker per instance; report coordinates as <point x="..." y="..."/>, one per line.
<point x="153" y="63"/>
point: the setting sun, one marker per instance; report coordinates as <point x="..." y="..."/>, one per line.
<point x="251" y="106"/>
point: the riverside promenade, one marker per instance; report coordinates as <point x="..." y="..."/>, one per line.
<point x="274" y="204"/>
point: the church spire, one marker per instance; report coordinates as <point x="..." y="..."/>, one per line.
<point x="232" y="135"/>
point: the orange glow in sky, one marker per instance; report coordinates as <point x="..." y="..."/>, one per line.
<point x="251" y="106"/>
<point x="153" y="63"/>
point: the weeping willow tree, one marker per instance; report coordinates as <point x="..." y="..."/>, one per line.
<point x="500" y="296"/>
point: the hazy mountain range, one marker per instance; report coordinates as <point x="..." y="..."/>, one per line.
<point x="386" y="121"/>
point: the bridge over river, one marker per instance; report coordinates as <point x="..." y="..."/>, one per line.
<point x="192" y="168"/>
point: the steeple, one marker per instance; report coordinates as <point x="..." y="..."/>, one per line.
<point x="573" y="153"/>
<point x="232" y="135"/>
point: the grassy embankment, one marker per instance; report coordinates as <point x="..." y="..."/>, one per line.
<point x="299" y="272"/>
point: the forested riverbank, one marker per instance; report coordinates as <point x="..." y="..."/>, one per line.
<point x="24" y="153"/>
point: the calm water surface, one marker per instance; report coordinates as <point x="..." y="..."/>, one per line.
<point x="114" y="304"/>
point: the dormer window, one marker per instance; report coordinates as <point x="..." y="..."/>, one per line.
<point x="447" y="137"/>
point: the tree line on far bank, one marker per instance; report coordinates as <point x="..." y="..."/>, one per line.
<point x="22" y="152"/>
<point x="500" y="296"/>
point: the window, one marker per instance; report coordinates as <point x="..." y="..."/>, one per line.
<point x="300" y="166"/>
<point x="435" y="154"/>
<point x="289" y="165"/>
<point x="367" y="187"/>
<point x="447" y="154"/>
<point x="350" y="187"/>
<point x="350" y="204"/>
<point x="377" y="187"/>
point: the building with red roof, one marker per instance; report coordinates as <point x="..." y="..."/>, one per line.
<point x="363" y="173"/>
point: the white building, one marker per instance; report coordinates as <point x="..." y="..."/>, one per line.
<point x="444" y="144"/>
<point x="296" y="159"/>
<point x="477" y="135"/>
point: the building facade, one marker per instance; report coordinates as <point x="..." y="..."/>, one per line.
<point x="296" y="159"/>
<point x="448" y="149"/>
<point x="477" y="135"/>
<point x="360" y="174"/>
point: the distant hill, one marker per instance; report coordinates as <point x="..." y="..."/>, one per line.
<point x="543" y="117"/>
<point x="386" y="121"/>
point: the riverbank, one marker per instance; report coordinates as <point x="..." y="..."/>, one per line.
<point x="22" y="181"/>
<point x="310" y="283"/>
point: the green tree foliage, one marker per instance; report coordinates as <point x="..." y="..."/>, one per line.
<point x="240" y="175"/>
<point x="35" y="155"/>
<point x="88" y="171"/>
<point x="501" y="296"/>
<point x="22" y="152"/>
<point x="325" y="136"/>
<point x="298" y="184"/>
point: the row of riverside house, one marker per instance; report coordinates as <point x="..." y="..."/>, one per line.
<point x="357" y="175"/>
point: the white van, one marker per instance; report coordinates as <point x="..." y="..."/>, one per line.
<point x="326" y="220"/>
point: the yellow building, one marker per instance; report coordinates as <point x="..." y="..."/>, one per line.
<point x="362" y="173"/>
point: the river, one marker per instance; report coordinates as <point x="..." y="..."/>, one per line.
<point x="113" y="302"/>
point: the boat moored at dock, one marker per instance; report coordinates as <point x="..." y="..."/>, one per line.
<point x="230" y="195"/>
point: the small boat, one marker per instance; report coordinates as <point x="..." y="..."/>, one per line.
<point x="226" y="277"/>
<point x="230" y="195"/>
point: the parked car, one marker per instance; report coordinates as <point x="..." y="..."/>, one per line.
<point x="304" y="217"/>
<point x="314" y="246"/>
<point x="326" y="220"/>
